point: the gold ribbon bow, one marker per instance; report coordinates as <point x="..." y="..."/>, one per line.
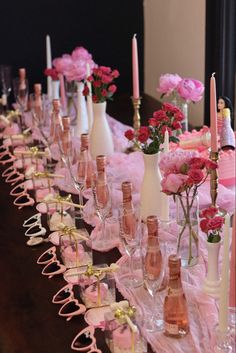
<point x="13" y="114"/>
<point x="124" y="316"/>
<point x="97" y="272"/>
<point x="60" y="198"/>
<point x="34" y="150"/>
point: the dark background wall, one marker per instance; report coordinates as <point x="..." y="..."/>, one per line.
<point x="104" y="27"/>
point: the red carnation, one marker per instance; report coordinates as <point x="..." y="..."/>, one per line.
<point x="176" y="125"/>
<point x="208" y="212"/>
<point x="204" y="225"/>
<point x="86" y="90"/>
<point x="112" y="88"/>
<point x="211" y="165"/>
<point x="216" y="223"/>
<point x="143" y="134"/>
<point x="129" y="134"/>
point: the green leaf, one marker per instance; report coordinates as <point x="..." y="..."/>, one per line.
<point x="174" y="139"/>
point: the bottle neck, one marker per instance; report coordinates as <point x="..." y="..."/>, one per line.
<point x="175" y="280"/>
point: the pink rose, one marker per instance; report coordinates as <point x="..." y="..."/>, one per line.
<point x="196" y="175"/>
<point x="106" y="78"/>
<point x="97" y="83"/>
<point x="179" y="116"/>
<point x="86" y="91"/>
<point x="208" y="212"/>
<point x="173" y="183"/>
<point x="105" y="69"/>
<point x="143" y="134"/>
<point x="104" y="92"/>
<point x="172" y="162"/>
<point x="197" y="163"/>
<point x="216" y="223"/>
<point x="190" y="89"/>
<point x="168" y="82"/>
<point x="164" y="128"/>
<point x="170" y="108"/>
<point x="129" y="134"/>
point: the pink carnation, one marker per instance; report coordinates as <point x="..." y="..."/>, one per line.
<point x="168" y="82"/>
<point x="173" y="183"/>
<point x="190" y="89"/>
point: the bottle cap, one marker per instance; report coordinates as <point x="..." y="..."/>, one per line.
<point x="56" y="104"/>
<point x="84" y="141"/>
<point x="152" y="225"/>
<point x="22" y="73"/>
<point x="37" y="88"/>
<point x="101" y="162"/>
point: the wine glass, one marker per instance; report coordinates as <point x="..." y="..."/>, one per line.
<point x="5" y="79"/>
<point x="154" y="264"/>
<point x="21" y="90"/>
<point x="130" y="236"/>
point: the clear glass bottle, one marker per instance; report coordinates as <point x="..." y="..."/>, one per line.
<point x="176" y="321"/>
<point x="153" y="259"/>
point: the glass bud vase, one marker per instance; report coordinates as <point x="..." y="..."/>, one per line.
<point x="187" y="210"/>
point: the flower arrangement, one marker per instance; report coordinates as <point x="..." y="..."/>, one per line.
<point x="184" y="172"/>
<point x="186" y="89"/>
<point x="150" y="138"/>
<point x="74" y="66"/>
<point x="211" y="224"/>
<point x="102" y="85"/>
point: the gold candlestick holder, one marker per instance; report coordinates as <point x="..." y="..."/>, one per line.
<point x="136" y="123"/>
<point x="214" y="156"/>
<point x="136" y="117"/>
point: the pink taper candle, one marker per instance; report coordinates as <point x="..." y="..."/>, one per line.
<point x="213" y="115"/>
<point x="135" y="67"/>
<point x="232" y="291"/>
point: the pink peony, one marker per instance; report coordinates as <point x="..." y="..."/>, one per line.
<point x="173" y="183"/>
<point x="190" y="89"/>
<point x="167" y="83"/>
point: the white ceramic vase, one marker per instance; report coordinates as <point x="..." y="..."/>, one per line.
<point x="101" y="141"/>
<point x="151" y="196"/>
<point x="81" y="112"/>
<point x="55" y="89"/>
<point x="211" y="284"/>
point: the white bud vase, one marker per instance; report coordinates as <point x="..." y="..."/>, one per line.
<point x="101" y="141"/>
<point x="55" y="89"/>
<point x="151" y="195"/>
<point x="81" y="112"/>
<point x="211" y="284"/>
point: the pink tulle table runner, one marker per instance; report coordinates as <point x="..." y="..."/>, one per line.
<point x="203" y="312"/>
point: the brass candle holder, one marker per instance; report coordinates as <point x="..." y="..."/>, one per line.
<point x="136" y="117"/>
<point x="136" y="122"/>
<point x="214" y="156"/>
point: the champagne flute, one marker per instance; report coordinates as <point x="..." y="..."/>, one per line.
<point x="5" y="79"/>
<point x="102" y="195"/>
<point x="21" y="90"/>
<point x="130" y="236"/>
<point x="154" y="264"/>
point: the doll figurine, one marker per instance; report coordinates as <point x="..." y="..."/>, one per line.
<point x="227" y="137"/>
<point x="223" y="102"/>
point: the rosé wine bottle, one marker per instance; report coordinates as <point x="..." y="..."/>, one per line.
<point x="37" y="95"/>
<point x="22" y="78"/>
<point x="66" y="136"/>
<point x="176" y="321"/>
<point x="102" y="190"/>
<point x="153" y="261"/>
<point x="129" y="221"/>
<point x="89" y="170"/>
<point x="56" y="121"/>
